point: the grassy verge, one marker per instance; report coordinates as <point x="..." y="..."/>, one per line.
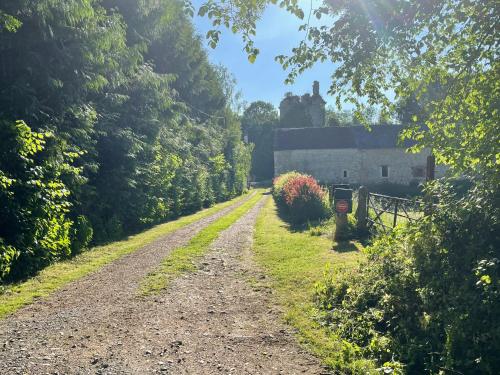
<point x="182" y="259"/>
<point x="296" y="260"/>
<point x="57" y="275"/>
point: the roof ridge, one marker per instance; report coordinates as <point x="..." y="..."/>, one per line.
<point x="338" y="137"/>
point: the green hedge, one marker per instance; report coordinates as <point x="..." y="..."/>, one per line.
<point x="428" y="298"/>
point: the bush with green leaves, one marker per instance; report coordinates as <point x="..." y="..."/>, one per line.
<point x="427" y="299"/>
<point x="34" y="225"/>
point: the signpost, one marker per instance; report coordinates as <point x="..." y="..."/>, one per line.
<point x="342" y="200"/>
<point x="342" y="206"/>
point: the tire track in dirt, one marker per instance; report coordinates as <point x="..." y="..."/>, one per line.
<point x="46" y="335"/>
<point x="211" y="321"/>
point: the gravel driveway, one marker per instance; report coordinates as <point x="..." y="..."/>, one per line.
<point x="211" y="321"/>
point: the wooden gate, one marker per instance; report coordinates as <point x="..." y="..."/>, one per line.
<point x="385" y="212"/>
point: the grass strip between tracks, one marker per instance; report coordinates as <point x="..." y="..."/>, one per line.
<point x="183" y="258"/>
<point x="55" y="276"/>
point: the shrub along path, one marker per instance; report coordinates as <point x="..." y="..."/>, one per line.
<point x="209" y="321"/>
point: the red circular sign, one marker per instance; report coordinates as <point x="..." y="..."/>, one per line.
<point x="342" y="206"/>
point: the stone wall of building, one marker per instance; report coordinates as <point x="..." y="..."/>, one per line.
<point x="356" y="166"/>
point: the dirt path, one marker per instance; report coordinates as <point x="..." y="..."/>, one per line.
<point x="208" y="322"/>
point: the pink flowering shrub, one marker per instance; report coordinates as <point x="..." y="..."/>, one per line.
<point x="278" y="184"/>
<point x="300" y="197"/>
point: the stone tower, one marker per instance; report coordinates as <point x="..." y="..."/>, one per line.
<point x="303" y="112"/>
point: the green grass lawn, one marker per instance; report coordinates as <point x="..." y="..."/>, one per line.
<point x="296" y="260"/>
<point x="183" y="259"/>
<point x="59" y="274"/>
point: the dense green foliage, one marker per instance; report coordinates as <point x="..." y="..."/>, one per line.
<point x="34" y="225"/>
<point x="259" y="121"/>
<point x="300" y="198"/>
<point x="428" y="296"/>
<point x="133" y="125"/>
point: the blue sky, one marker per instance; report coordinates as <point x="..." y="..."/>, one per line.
<point x="277" y="33"/>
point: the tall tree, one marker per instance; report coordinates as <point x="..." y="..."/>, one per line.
<point x="258" y="122"/>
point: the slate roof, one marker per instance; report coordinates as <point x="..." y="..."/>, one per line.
<point x="337" y="137"/>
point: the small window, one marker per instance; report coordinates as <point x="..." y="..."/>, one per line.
<point x="418" y="171"/>
<point x="384" y="170"/>
<point x="345" y="174"/>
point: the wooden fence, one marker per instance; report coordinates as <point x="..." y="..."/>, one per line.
<point x="385" y="212"/>
<point x="378" y="213"/>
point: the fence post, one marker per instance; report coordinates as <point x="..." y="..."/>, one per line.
<point x="395" y="214"/>
<point x="362" y="210"/>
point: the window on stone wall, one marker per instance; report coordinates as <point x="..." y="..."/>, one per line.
<point x="418" y="171"/>
<point x="345" y="174"/>
<point x="384" y="171"/>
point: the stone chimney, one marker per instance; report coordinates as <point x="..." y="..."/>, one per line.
<point x="316" y="88"/>
<point x="315" y="107"/>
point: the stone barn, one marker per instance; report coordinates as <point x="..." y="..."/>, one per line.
<point x="351" y="155"/>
